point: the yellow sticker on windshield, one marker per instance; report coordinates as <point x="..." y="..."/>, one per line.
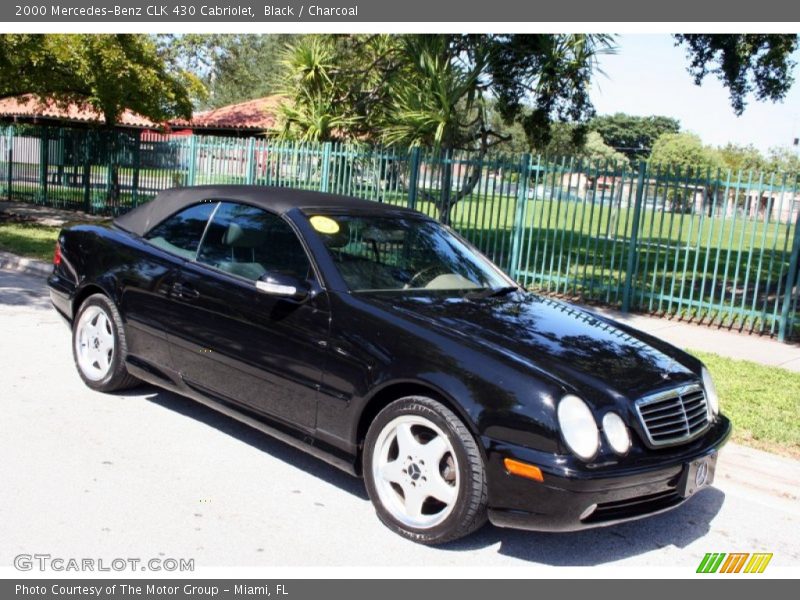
<point x="324" y="224"/>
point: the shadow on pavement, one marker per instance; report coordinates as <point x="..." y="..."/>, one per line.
<point x="679" y="527"/>
<point x="261" y="441"/>
<point x="21" y="289"/>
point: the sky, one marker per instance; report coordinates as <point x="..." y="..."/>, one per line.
<point x="648" y="76"/>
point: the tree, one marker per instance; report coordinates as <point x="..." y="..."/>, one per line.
<point x="761" y="64"/>
<point x="562" y="142"/>
<point x="784" y="161"/>
<point x="632" y="135"/>
<point x="438" y="91"/>
<point x="233" y="67"/>
<point x="111" y="73"/>
<point x="592" y="148"/>
<point x="551" y="74"/>
<point x="683" y="155"/>
<point x="317" y="88"/>
<point x="597" y="151"/>
<point x="685" y="151"/>
<point x="741" y="158"/>
<point x="516" y="141"/>
<point x="781" y="161"/>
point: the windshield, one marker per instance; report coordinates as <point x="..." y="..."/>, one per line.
<point x="386" y="253"/>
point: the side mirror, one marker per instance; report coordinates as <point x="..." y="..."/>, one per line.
<point x="285" y="286"/>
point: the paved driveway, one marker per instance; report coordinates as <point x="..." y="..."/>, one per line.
<point x="149" y="474"/>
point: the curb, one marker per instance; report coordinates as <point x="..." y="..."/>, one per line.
<point x="20" y="264"/>
<point x="760" y="472"/>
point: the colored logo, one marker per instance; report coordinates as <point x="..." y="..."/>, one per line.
<point x="734" y="562"/>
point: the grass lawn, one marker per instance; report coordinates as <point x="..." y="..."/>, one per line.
<point x="28" y="239"/>
<point x="763" y="402"/>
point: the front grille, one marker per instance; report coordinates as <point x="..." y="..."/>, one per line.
<point x="674" y="416"/>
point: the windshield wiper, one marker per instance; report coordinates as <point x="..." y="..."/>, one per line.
<point x="491" y="292"/>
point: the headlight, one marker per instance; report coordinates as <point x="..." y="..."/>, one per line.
<point x="578" y="427"/>
<point x="711" y="393"/>
<point x="616" y="433"/>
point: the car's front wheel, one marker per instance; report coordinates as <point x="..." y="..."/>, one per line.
<point x="424" y="471"/>
<point x="99" y="345"/>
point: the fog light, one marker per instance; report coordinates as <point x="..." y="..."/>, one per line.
<point x="588" y="512"/>
<point x="522" y="469"/>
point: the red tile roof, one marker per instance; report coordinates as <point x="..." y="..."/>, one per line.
<point x="31" y="106"/>
<point x="258" y="115"/>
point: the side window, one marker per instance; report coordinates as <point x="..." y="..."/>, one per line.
<point x="181" y="233"/>
<point x="249" y="242"/>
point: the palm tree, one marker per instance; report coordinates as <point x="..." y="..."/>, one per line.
<point x="313" y="113"/>
<point x="434" y="91"/>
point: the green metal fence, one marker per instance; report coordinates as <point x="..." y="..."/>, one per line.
<point x="716" y="247"/>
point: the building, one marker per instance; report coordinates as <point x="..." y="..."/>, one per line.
<point x="253" y="118"/>
<point x="32" y="110"/>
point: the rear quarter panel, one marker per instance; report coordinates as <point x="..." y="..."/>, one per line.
<point x="134" y="274"/>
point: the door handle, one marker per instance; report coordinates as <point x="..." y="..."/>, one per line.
<point x="187" y="292"/>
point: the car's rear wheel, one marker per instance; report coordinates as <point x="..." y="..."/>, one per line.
<point x="424" y="472"/>
<point x="99" y="345"/>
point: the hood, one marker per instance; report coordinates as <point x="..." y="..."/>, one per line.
<point x="587" y="354"/>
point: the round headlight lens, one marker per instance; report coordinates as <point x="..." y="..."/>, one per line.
<point x="711" y="392"/>
<point x="616" y="433"/>
<point x="578" y="427"/>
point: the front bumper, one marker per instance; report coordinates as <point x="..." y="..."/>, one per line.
<point x="574" y="496"/>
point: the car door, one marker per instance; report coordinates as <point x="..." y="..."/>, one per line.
<point x="262" y="352"/>
<point x="148" y="272"/>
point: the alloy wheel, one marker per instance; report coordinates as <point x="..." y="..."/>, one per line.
<point x="94" y="343"/>
<point x="415" y="471"/>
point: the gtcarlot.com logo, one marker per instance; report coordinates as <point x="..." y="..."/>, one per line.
<point x="47" y="562"/>
<point x="734" y="562"/>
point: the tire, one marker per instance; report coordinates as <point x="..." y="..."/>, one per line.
<point x="408" y="493"/>
<point x="99" y="346"/>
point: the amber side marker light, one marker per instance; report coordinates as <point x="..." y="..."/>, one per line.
<point x="522" y="469"/>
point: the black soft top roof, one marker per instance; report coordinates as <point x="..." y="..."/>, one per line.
<point x="276" y="199"/>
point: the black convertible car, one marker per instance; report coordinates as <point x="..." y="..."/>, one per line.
<point x="381" y="341"/>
